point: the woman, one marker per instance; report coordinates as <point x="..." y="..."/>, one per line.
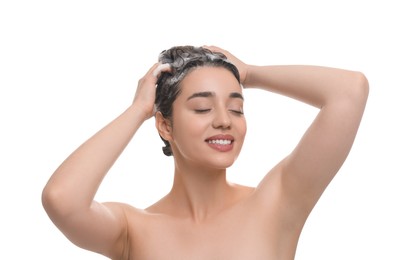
<point x="198" y="108"/>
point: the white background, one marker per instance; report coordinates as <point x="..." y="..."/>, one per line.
<point x="67" y="68"/>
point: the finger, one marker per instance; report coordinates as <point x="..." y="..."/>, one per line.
<point x="214" y="48"/>
<point x="159" y="69"/>
<point x="152" y="69"/>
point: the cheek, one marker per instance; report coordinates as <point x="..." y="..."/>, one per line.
<point x="242" y="127"/>
<point x="187" y="124"/>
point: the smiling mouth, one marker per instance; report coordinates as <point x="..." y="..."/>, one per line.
<point x="220" y="141"/>
<point x="221" y="145"/>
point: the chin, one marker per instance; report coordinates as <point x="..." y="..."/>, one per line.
<point x="220" y="162"/>
<point x="209" y="160"/>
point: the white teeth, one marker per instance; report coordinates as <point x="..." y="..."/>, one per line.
<point x="222" y="142"/>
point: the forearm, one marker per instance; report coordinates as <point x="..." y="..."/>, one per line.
<point x="314" y="85"/>
<point x="73" y="185"/>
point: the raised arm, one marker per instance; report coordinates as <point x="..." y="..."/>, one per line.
<point x="341" y="96"/>
<point x="301" y="177"/>
<point x="68" y="197"/>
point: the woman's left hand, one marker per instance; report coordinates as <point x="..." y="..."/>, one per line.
<point x="241" y="66"/>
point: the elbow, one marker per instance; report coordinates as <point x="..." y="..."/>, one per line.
<point x="49" y="199"/>
<point x="353" y="90"/>
<point x="360" y="87"/>
<point x="52" y="201"/>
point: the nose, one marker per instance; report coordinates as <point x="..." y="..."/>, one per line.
<point x="222" y="119"/>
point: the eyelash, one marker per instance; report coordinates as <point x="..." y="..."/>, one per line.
<point x="202" y="111"/>
<point x="239" y="112"/>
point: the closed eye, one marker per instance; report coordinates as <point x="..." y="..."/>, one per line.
<point x="238" y="112"/>
<point x="202" y="111"/>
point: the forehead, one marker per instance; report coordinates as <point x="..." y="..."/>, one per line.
<point x="215" y="79"/>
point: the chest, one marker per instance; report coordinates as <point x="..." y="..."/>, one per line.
<point x="235" y="237"/>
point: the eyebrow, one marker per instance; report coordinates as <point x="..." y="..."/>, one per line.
<point x="212" y="94"/>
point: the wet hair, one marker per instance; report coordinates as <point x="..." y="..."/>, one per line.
<point x="183" y="59"/>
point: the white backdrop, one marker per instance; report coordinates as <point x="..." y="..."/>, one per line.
<point x="67" y="68"/>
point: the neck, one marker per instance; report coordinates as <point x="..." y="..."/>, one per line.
<point x="199" y="193"/>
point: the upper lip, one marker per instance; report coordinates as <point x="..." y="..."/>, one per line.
<point x="220" y="137"/>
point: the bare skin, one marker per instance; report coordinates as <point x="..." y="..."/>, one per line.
<point x="204" y="216"/>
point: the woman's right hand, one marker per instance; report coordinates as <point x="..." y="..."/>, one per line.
<point x="146" y="89"/>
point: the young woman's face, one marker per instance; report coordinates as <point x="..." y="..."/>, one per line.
<point x="208" y="122"/>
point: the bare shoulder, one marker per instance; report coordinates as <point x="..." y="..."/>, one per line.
<point x="236" y="232"/>
<point x="272" y="200"/>
<point x="243" y="192"/>
<point x="129" y="212"/>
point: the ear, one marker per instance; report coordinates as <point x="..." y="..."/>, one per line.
<point x="163" y="126"/>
